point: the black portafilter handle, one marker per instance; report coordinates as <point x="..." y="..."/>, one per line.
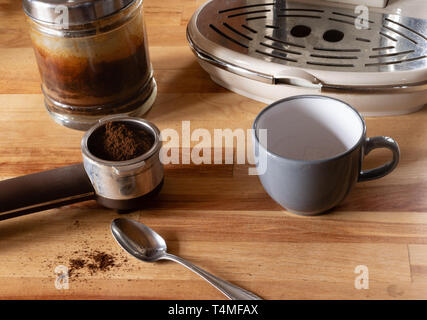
<point x="44" y="190"/>
<point x="58" y="187"/>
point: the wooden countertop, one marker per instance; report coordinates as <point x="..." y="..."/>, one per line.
<point x="216" y="216"/>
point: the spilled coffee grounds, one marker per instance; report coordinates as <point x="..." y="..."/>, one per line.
<point x="102" y="261"/>
<point x="93" y="261"/>
<point x="77" y="263"/>
<point x="117" y="141"/>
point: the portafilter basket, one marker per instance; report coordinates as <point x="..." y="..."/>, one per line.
<point x="119" y="185"/>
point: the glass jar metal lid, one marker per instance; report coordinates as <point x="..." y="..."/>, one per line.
<point x="78" y="11"/>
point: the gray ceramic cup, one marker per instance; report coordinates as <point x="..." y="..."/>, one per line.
<point x="313" y="152"/>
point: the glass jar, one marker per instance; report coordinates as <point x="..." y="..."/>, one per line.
<point x="93" y="58"/>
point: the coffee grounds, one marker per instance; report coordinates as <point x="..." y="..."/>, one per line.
<point x="117" y="141"/>
<point x="94" y="262"/>
<point x="76" y="264"/>
<point x="102" y="261"/>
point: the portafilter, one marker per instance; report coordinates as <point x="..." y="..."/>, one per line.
<point x="119" y="185"/>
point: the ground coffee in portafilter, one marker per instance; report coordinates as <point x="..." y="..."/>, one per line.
<point x="119" y="141"/>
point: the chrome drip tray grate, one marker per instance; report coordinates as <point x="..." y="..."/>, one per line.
<point x="315" y="37"/>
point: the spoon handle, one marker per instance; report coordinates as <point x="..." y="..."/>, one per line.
<point x="230" y="290"/>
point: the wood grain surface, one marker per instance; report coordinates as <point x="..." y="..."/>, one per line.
<point x="216" y="216"/>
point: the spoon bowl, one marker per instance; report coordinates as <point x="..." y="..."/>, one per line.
<point x="139" y="240"/>
<point x="145" y="244"/>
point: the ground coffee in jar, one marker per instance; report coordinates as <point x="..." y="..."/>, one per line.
<point x="92" y="57"/>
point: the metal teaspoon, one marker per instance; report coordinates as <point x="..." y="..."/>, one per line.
<point x="146" y="245"/>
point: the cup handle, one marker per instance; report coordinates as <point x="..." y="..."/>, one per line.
<point x="380" y="142"/>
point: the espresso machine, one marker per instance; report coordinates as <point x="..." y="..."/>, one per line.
<point x="371" y="54"/>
